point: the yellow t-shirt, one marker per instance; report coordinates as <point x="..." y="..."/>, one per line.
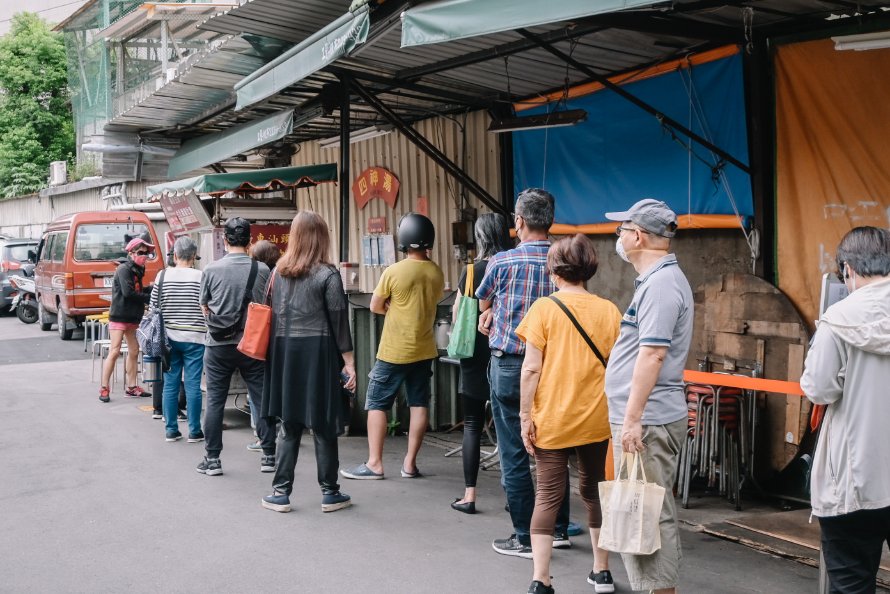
<point x="414" y="288"/>
<point x="570" y="403"/>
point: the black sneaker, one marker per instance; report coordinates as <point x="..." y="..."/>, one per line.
<point x="333" y="501"/>
<point x="181" y="416"/>
<point x="511" y="546"/>
<point x="561" y="540"/>
<point x="210" y="466"/>
<point x="196" y="437"/>
<point x="601" y="581"/>
<point x="268" y="463"/>
<point x="174" y="435"/>
<point x="157" y="414"/>
<point x="539" y="588"/>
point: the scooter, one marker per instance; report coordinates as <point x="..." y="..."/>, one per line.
<point x="24" y="300"/>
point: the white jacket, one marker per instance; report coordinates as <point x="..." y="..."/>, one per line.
<point x="848" y="368"/>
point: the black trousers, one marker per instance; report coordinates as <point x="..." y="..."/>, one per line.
<point x="326" y="459"/>
<point x="474" y="425"/>
<point x="851" y="546"/>
<point x="220" y="362"/>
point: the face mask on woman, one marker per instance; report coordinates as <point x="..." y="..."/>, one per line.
<point x="140" y="259"/>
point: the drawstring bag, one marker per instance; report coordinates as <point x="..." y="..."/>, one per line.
<point x="258" y="327"/>
<point x="463" y="334"/>
<point x="631" y="510"/>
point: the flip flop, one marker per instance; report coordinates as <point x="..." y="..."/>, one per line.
<point x="361" y="473"/>
<point x="415" y="474"/>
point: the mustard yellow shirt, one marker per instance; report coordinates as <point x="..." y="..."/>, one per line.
<point x="570" y="403"/>
<point x="414" y="288"/>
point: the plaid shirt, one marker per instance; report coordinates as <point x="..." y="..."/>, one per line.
<point x="513" y="281"/>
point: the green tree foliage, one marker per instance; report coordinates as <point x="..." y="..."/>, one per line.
<point x="36" y="125"/>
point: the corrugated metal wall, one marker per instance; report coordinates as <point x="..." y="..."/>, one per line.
<point x="27" y="216"/>
<point x="419" y="177"/>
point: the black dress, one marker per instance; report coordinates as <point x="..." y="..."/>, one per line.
<point x="310" y="330"/>
<point x="474" y="370"/>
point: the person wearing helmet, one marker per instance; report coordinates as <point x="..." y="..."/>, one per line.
<point x="407" y="294"/>
<point x="227" y="287"/>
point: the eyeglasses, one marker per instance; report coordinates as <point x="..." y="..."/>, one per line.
<point x="619" y="229"/>
<point x="142" y="253"/>
<point x="840" y="271"/>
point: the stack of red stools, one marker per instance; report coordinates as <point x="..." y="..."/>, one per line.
<point x="715" y="440"/>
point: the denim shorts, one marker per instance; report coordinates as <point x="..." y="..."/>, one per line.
<point x="387" y="377"/>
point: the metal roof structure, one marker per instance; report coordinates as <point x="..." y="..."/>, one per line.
<point x="503" y="69"/>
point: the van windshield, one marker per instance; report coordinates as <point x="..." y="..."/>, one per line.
<point x="96" y="242"/>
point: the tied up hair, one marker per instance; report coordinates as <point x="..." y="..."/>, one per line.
<point x="308" y="246"/>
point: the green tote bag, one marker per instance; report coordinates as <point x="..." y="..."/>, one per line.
<point x="463" y="333"/>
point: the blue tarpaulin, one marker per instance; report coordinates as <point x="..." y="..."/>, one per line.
<point x="622" y="154"/>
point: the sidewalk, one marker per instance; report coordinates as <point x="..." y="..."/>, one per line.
<point x="94" y="500"/>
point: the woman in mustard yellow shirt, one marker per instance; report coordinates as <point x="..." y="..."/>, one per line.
<point x="563" y="402"/>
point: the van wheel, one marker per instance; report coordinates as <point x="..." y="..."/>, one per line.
<point x="62" y="323"/>
<point x="46" y="324"/>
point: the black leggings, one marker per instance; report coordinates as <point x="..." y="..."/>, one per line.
<point x="474" y="425"/>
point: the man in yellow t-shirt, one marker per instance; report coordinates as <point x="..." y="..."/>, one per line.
<point x="407" y="294"/>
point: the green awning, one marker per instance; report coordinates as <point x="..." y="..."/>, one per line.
<point x="259" y="180"/>
<point x="317" y="51"/>
<point x="448" y="20"/>
<point x="213" y="148"/>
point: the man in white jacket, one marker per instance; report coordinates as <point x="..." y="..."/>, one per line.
<point x="848" y="369"/>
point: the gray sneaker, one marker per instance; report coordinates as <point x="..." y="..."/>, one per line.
<point x="255" y="447"/>
<point x="512" y="547"/>
<point x="267" y="464"/>
<point x="210" y="466"/>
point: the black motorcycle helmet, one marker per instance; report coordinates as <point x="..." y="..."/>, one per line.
<point x="237" y="231"/>
<point x="416" y="232"/>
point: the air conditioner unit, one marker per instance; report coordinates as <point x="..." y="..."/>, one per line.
<point x="58" y="173"/>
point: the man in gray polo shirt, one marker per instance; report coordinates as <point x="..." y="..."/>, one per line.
<point x="224" y="287"/>
<point x="644" y="380"/>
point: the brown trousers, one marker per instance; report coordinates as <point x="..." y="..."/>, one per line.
<point x="551" y="471"/>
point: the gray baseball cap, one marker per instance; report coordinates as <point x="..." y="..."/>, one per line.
<point x="654" y="216"/>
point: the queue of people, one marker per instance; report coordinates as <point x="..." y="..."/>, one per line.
<point x="563" y="369"/>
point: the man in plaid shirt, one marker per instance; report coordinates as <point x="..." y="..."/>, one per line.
<point x="513" y="281"/>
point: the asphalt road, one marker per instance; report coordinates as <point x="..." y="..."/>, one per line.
<point x="92" y="499"/>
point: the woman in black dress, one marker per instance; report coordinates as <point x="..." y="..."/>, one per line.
<point x="310" y="351"/>
<point x="492" y="236"/>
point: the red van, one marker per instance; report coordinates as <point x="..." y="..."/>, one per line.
<point x="76" y="260"/>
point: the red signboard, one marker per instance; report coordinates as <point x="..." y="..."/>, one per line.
<point x="277" y="234"/>
<point x="376" y="182"/>
<point x="185" y="213"/>
<point x="377" y="225"/>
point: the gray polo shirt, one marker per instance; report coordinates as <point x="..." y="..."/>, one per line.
<point x="660" y="314"/>
<point x="222" y="290"/>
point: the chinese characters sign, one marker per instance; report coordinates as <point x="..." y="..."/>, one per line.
<point x="277" y="234"/>
<point x="376" y="182"/>
<point x="185" y="213"/>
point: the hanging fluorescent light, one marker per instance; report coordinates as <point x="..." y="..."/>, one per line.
<point x="356" y="136"/>
<point x="863" y="42"/>
<point x="556" y="119"/>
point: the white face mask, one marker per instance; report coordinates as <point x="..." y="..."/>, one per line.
<point x="619" y="249"/>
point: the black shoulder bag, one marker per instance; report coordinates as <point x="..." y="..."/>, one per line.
<point x="230" y="332"/>
<point x="581" y="331"/>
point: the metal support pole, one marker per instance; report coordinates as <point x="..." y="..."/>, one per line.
<point x="662" y="118"/>
<point x="165" y="50"/>
<point x="427" y="147"/>
<point x="345" y="124"/>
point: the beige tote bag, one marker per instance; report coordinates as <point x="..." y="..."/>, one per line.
<point x="631" y="510"/>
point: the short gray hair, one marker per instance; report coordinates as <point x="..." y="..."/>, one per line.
<point x="185" y="248"/>
<point x="535" y="206"/>
<point x="866" y="250"/>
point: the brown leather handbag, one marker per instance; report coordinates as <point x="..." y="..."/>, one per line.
<point x="258" y="327"/>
